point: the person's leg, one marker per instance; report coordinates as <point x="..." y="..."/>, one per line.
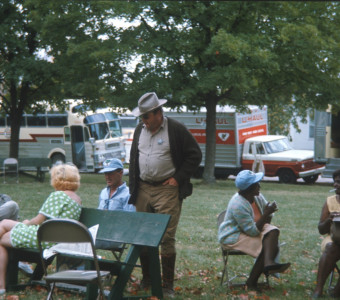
<point x="256" y="272"/>
<point x="6" y="226"/>
<point x="142" y="205"/>
<point x="270" y="247"/>
<point x="165" y="201"/>
<point x="327" y="262"/>
<point x="9" y="210"/>
<point x="3" y="260"/>
<point x="270" y="250"/>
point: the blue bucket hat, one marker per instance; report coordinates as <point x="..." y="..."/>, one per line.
<point x="246" y="178"/>
<point x="112" y="165"/>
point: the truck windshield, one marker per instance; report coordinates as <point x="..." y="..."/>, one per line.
<point x="277" y="146"/>
<point x="99" y="131"/>
<point x="115" y="128"/>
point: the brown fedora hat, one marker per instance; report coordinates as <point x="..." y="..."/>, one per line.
<point x="146" y="103"/>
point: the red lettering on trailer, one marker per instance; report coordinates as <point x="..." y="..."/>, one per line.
<point x="223" y="137"/>
<point x="257" y="117"/>
<point x="246" y="133"/>
<point x="219" y="121"/>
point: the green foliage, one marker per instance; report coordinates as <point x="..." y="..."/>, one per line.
<point x="53" y="51"/>
<point x="203" y="53"/>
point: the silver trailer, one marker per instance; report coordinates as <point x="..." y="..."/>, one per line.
<point x="327" y="140"/>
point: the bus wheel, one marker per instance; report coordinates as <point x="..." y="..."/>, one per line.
<point x="56" y="158"/>
<point x="287" y="176"/>
<point x="311" y="179"/>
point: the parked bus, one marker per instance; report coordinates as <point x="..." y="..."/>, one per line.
<point x="129" y="123"/>
<point x="86" y="138"/>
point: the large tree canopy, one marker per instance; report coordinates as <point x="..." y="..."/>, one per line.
<point x="204" y="53"/>
<point x="55" y="50"/>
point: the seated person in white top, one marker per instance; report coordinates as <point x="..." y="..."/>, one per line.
<point x="116" y="194"/>
<point x="9" y="209"/>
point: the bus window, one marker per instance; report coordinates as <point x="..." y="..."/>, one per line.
<point x="115" y="128"/>
<point x="129" y="122"/>
<point x="2" y="121"/>
<point x="99" y="131"/>
<point x="67" y="134"/>
<point x="22" y="123"/>
<point x="111" y="116"/>
<point x="56" y="121"/>
<point x="95" y="118"/>
<point x="36" y="121"/>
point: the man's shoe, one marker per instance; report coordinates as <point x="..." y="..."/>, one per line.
<point x="25" y="268"/>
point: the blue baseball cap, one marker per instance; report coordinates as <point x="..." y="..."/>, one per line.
<point x="246" y="178"/>
<point x="111" y="165"/>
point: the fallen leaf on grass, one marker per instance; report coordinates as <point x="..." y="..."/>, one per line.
<point x="263" y="297"/>
<point x="12" y="297"/>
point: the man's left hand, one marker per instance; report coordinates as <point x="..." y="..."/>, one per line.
<point x="171" y="181"/>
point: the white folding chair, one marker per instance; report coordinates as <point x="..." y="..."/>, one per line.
<point x="69" y="231"/>
<point x="11" y="165"/>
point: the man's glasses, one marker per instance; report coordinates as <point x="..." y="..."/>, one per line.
<point x="145" y="116"/>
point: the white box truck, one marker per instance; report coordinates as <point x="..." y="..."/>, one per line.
<point x="242" y="142"/>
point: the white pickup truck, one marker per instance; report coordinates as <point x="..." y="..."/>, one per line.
<point x="273" y="155"/>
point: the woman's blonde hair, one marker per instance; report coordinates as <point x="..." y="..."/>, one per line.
<point x="65" y="177"/>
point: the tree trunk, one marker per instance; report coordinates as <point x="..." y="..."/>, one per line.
<point x="16" y="112"/>
<point x="210" y="147"/>
<point x="15" y="133"/>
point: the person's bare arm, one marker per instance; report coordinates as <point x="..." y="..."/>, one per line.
<point x="37" y="220"/>
<point x="266" y="217"/>
<point x="325" y="220"/>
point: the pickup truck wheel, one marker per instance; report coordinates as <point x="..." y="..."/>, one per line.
<point x="311" y="179"/>
<point x="287" y="176"/>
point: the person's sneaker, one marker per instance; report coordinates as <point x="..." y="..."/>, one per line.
<point x="25" y="268"/>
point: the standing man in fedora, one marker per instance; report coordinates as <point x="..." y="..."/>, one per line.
<point x="163" y="157"/>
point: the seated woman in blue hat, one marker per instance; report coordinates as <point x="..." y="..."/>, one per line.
<point x="246" y="227"/>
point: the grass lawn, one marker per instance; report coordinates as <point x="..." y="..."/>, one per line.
<point x="199" y="260"/>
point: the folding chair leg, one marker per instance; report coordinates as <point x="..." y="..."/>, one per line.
<point x="336" y="268"/>
<point x="225" y="271"/>
<point x="51" y="289"/>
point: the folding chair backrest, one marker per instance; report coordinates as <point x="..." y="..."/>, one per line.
<point x="64" y="230"/>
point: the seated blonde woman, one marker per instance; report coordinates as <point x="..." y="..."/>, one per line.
<point x="62" y="203"/>
<point x="330" y="250"/>
<point x="246" y="227"/>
